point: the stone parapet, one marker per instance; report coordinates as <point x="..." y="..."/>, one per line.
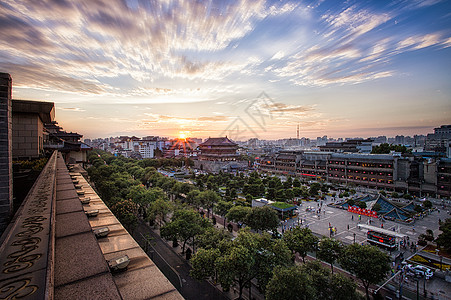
<point x="6" y="176"/>
<point x="50" y="251"/>
<point x="27" y="250"/>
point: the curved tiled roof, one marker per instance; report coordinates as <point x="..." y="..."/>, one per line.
<point x="221" y="141"/>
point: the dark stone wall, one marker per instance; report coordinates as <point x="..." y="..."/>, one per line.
<point x="6" y="190"/>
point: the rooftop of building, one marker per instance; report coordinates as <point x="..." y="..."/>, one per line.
<point x="220" y="141"/>
<point x="45" y="110"/>
<point x="65" y="260"/>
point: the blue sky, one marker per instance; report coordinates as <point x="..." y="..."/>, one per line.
<point x="352" y="68"/>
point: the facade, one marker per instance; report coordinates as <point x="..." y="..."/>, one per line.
<point x="29" y="134"/>
<point x="286" y="162"/>
<point x="313" y="165"/>
<point x="370" y="170"/>
<point x="68" y="143"/>
<point x="145" y="148"/>
<point x="444" y="177"/>
<point x="414" y="174"/>
<point x="218" y="149"/>
<point x="438" y="140"/>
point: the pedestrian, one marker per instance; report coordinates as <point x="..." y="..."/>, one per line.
<point x="348" y="226"/>
<point x="352" y="217"/>
<point x="329" y="224"/>
<point x="382" y="225"/>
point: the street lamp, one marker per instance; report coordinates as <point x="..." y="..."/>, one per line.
<point x="437" y="252"/>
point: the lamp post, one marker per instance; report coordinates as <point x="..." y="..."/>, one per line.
<point x="437" y="252"/>
<point x="418" y="289"/>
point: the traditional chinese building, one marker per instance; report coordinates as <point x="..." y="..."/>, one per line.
<point x="218" y="149"/>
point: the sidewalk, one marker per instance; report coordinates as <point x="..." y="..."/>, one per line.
<point x="190" y="289"/>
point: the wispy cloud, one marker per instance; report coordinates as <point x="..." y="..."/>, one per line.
<point x="356" y="45"/>
<point x="76" y="109"/>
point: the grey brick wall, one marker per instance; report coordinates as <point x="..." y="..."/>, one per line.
<point x="6" y="176"/>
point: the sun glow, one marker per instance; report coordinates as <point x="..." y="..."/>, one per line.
<point x="183" y="134"/>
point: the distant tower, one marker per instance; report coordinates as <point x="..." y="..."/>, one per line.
<point x="297" y="132"/>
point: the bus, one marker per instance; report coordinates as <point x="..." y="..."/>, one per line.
<point x="381" y="240"/>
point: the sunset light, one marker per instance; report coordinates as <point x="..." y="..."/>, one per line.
<point x="183" y="135"/>
<point x="335" y="68"/>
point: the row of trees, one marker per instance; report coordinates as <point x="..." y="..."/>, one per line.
<point x="270" y="264"/>
<point x="120" y="180"/>
<point x="133" y="188"/>
<point x="253" y="186"/>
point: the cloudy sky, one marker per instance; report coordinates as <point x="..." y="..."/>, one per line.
<point x="243" y="68"/>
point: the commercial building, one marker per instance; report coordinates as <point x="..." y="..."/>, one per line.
<point x="438" y="140"/>
<point x="417" y="174"/>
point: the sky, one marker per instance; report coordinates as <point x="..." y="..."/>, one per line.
<point x="243" y="68"/>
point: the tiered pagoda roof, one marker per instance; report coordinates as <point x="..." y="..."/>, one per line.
<point x="221" y="141"/>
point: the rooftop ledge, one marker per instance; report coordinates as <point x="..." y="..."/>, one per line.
<point x="49" y="251"/>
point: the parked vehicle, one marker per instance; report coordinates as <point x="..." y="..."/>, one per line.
<point x="423" y="271"/>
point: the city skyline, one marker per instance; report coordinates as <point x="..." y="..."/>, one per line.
<point x="211" y="68"/>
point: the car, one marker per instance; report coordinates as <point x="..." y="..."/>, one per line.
<point x="423" y="271"/>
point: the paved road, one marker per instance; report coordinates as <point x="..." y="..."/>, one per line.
<point x="191" y="289"/>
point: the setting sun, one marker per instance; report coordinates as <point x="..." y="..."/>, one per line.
<point x="183" y="134"/>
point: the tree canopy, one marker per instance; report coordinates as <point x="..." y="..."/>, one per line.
<point x="386" y="148"/>
<point x="310" y="281"/>
<point x="262" y="218"/>
<point x="444" y="238"/>
<point x="329" y="250"/>
<point x="366" y="262"/>
<point x="300" y="240"/>
<point x="185" y="224"/>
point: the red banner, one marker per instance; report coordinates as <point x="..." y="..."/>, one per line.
<point x="362" y="211"/>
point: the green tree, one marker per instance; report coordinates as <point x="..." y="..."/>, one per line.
<point x="300" y="240"/>
<point x="314" y="189"/>
<point x="204" y="263"/>
<point x="213" y="238"/>
<point x="366" y="262"/>
<point x="289" y="283"/>
<point x="329" y="286"/>
<point x="208" y="199"/>
<point x="251" y="256"/>
<point x="444" y="238"/>
<point x="125" y="211"/>
<point x="427" y="204"/>
<point x="289" y="194"/>
<point x="262" y="218"/>
<point x="192" y="198"/>
<point x="238" y="214"/>
<point x="329" y="250"/>
<point x="186" y="224"/>
<point x="361" y="204"/>
<point x="387" y="148"/>
<point x="160" y="208"/>
<point x="237" y="266"/>
<point x="271" y="193"/>
<point x="222" y="208"/>
<point x="376" y="207"/>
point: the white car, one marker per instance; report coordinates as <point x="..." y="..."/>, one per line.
<point x="423" y="271"/>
